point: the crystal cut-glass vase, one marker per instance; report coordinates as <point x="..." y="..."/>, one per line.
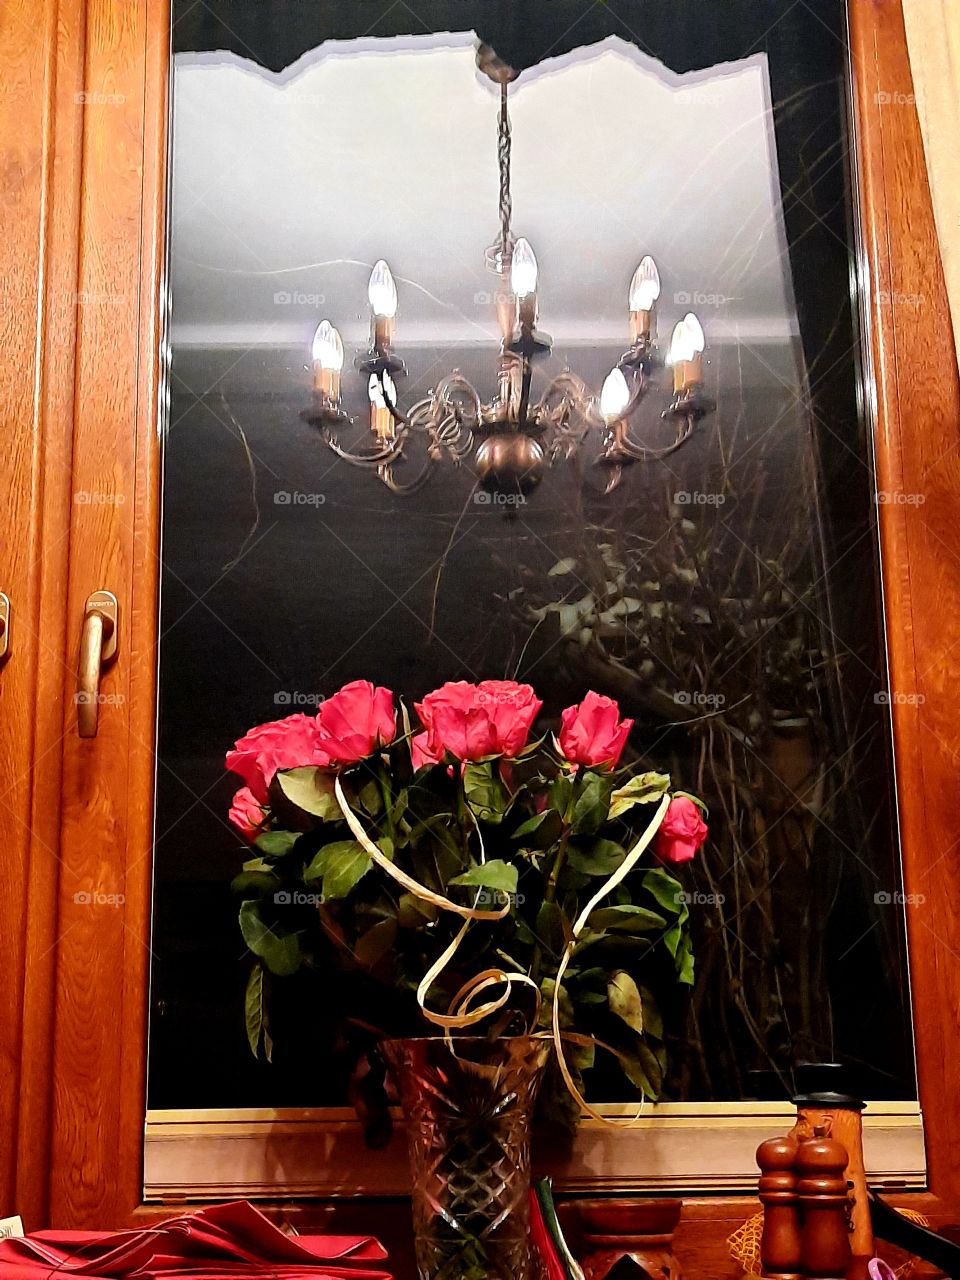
<point x="468" y="1105"/>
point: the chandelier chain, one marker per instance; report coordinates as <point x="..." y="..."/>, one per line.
<point x="503" y="158"/>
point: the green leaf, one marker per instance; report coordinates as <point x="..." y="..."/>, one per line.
<point x="626" y="919"/>
<point x="561" y="793"/>
<point x="592" y="804"/>
<point x="642" y="1069"/>
<point x="548" y="989"/>
<point x="412" y="913"/>
<point x="371" y="798"/>
<point x="601" y="858"/>
<point x="277" y="843"/>
<point x="339" y="866"/>
<point x="376" y="942"/>
<point x="279" y="952"/>
<point x="667" y="890"/>
<point x="652" y="1021"/>
<point x="624" y="1000"/>
<point x="253" y="1008"/>
<point x="495" y="874"/>
<point x="643" y="789"/>
<point x="255" y="884"/>
<point x="311" y="789"/>
<point x="545" y="827"/>
<point x="562" y="567"/>
<point x="484" y="791"/>
<point x="549" y="928"/>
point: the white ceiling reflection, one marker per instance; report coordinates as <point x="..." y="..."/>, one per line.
<point x="287" y="188"/>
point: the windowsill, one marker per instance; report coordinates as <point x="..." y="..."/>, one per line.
<point x="688" y="1147"/>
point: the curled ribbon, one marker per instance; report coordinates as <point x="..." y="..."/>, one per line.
<point x="624" y="869"/>
<point x="462" y="1012"/>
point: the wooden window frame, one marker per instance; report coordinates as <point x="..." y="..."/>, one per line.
<point x="72" y="1128"/>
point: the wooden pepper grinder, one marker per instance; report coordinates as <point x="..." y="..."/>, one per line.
<point x="781" y="1238"/>
<point x="822" y="1192"/>
<point x="824" y="1098"/>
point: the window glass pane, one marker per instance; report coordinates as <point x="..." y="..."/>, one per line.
<point x="727" y="595"/>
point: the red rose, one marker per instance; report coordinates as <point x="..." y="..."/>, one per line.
<point x="593" y="733"/>
<point x="471" y="721"/>
<point x="420" y="751"/>
<point x="681" y="833"/>
<point x="280" y="744"/>
<point x="246" y="814"/>
<point x="356" y="721"/>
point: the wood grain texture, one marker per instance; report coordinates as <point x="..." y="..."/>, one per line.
<point x="98" y="1078"/>
<point x="38" y="220"/>
<point x="917" y="441"/>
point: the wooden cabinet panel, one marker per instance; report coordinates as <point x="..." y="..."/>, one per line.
<point x="39" y="153"/>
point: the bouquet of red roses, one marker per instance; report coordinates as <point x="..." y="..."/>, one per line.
<point x="458" y="872"/>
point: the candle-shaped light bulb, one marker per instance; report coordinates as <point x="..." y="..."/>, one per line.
<point x="681" y="347"/>
<point x="681" y="350"/>
<point x="695" y="331"/>
<point x="381" y="418"/>
<point x="328" y="347"/>
<point x="614" y="396"/>
<point x="382" y="294"/>
<point x="382" y="291"/>
<point x="523" y="269"/>
<point x="645" y="286"/>
<point x="693" y="365"/>
<point x="327" y="352"/>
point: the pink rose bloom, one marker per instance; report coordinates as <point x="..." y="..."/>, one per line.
<point x="420" y="751"/>
<point x="246" y="814"/>
<point x="356" y="721"/>
<point x="471" y="721"/>
<point x="280" y="744"/>
<point x="592" y="733"/>
<point x="681" y="833"/>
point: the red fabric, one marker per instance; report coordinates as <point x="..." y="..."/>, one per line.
<point x="226" y="1240"/>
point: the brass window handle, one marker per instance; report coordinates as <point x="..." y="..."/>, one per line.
<point x="4" y="625"/>
<point x="98" y="647"/>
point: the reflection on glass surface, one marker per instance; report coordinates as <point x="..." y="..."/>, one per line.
<point x="727" y="596"/>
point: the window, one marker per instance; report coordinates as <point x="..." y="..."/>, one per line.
<point x="728" y="596"/>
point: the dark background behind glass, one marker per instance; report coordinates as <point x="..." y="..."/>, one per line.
<point x="345" y="585"/>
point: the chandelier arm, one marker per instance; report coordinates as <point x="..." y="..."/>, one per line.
<point x="642" y="453"/>
<point x="376" y="458"/>
<point x="385" y="474"/>
<point x="455" y="382"/>
<point x="576" y="393"/>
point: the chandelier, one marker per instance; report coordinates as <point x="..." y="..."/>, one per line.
<point x="511" y="438"/>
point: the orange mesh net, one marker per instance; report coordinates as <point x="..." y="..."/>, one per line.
<point x="744" y="1244"/>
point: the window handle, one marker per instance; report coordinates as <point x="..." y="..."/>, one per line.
<point x="4" y="625"/>
<point x="98" y="647"/>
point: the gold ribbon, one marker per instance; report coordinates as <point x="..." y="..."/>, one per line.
<point x="461" y="1011"/>
<point x="624" y="869"/>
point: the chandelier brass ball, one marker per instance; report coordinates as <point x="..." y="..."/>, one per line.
<point x="509" y="462"/>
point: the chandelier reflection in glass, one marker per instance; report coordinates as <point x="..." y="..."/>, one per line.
<point x="511" y="438"/>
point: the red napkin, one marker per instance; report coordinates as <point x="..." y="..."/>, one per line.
<point x="212" y="1244"/>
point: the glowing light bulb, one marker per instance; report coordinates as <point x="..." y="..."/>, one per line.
<point x="681" y="344"/>
<point x="614" y="395"/>
<point x="645" y="286"/>
<point x="695" y="334"/>
<point x="523" y="269"/>
<point x="328" y="347"/>
<point x="382" y="291"/>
